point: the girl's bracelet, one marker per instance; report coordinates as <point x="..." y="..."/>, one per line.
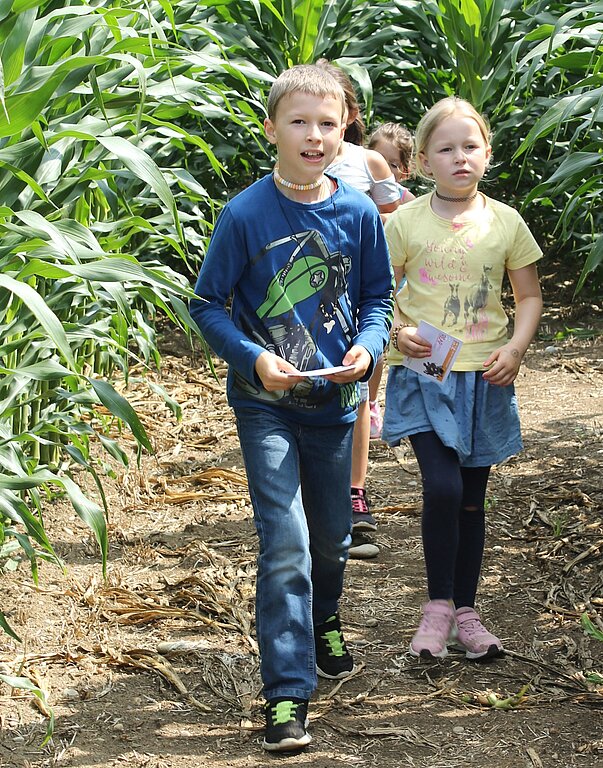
<point x="396" y="331"/>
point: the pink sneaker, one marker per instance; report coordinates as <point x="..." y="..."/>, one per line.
<point x="474" y="638"/>
<point x="376" y="420"/>
<point x="436" y="629"/>
<point x="362" y="520"/>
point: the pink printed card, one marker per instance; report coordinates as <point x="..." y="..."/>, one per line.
<point x="444" y="351"/>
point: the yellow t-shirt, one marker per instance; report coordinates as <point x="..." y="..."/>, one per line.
<point x="455" y="271"/>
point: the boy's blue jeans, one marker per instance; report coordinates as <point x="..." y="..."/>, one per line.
<point x="299" y="482"/>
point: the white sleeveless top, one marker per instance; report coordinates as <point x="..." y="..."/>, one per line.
<point x="353" y="169"/>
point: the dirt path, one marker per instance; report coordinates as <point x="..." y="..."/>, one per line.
<point x="157" y="667"/>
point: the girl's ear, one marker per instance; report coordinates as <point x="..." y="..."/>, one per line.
<point x="488" y="156"/>
<point x="352" y="115"/>
<point x="425" y="163"/>
<point x="269" y="130"/>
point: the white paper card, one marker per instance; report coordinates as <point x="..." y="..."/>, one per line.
<point x="321" y="371"/>
<point x="444" y="351"/>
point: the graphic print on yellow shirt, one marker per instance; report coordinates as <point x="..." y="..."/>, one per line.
<point x="455" y="272"/>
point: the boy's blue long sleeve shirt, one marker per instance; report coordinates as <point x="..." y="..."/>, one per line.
<point x="307" y="281"/>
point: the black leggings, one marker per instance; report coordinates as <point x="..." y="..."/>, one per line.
<point x="453" y="522"/>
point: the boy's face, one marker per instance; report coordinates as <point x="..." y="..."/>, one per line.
<point x="307" y="131"/>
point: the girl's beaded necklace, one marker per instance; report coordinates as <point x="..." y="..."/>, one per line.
<point x="297" y="187"/>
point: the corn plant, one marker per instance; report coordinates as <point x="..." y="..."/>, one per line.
<point x="514" y="59"/>
<point x="569" y="51"/>
<point x="25" y="684"/>
<point x="100" y="107"/>
<point x="534" y="69"/>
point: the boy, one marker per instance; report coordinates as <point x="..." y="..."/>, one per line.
<point x="305" y="260"/>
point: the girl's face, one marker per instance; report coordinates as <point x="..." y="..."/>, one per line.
<point x="392" y="155"/>
<point x="456" y="155"/>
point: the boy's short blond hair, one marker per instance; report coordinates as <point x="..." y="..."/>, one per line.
<point x="452" y="105"/>
<point x="304" y="78"/>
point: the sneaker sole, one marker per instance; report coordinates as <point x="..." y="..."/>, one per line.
<point x="288" y="745"/>
<point x="427" y="655"/>
<point x="493" y="652"/>
<point x="363" y="551"/>
<point x="364" y="526"/>
<point x="341" y="676"/>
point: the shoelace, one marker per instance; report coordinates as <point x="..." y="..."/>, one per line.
<point x="359" y="505"/>
<point x="334" y="639"/>
<point x="283" y="712"/>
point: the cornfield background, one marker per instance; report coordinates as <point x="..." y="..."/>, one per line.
<point x="124" y="127"/>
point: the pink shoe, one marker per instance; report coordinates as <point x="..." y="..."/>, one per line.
<point x="362" y="520"/>
<point x="436" y="629"/>
<point x="376" y="420"/>
<point x="474" y="638"/>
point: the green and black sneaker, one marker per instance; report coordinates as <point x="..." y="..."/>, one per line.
<point x="333" y="660"/>
<point x="286" y="723"/>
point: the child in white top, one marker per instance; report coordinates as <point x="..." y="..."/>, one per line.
<point x="394" y="142"/>
<point x="369" y="172"/>
<point x="454" y="247"/>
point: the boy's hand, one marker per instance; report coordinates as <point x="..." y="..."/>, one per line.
<point x="411" y="344"/>
<point x="359" y="358"/>
<point x="503" y="365"/>
<point x="273" y="370"/>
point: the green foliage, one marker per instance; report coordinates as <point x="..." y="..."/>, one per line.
<point x="91" y="195"/>
<point x="4" y="625"/>
<point x="569" y="124"/>
<point x="533" y="67"/>
<point x="25" y="684"/>
<point x="590" y="628"/>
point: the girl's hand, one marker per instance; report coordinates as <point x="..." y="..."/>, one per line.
<point x="411" y="344"/>
<point x="503" y="365"/>
<point x="273" y="370"/>
<point x="359" y="358"/>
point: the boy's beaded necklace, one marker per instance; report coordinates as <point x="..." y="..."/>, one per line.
<point x="297" y="187"/>
<point x="456" y="199"/>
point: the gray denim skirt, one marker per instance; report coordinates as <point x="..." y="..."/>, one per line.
<point x="478" y="420"/>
